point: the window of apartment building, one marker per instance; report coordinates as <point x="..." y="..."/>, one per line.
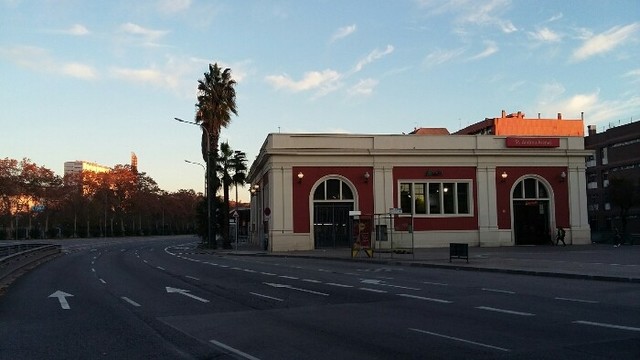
<point x="436" y="198"/>
<point x="604" y="155"/>
<point x="605" y="179"/>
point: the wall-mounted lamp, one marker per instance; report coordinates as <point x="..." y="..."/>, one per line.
<point x="366" y="177"/>
<point x="504" y="176"/>
<point x="563" y="176"/>
<point x="300" y="176"/>
<point x="254" y="189"/>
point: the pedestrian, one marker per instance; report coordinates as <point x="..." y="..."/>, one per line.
<point x="560" y="236"/>
<point x="617" y="238"/>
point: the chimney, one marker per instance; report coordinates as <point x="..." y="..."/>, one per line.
<point x="591" y="129"/>
<point x="559" y="116"/>
<point x="519" y="114"/>
<point x="504" y="113"/>
<point x="582" y="115"/>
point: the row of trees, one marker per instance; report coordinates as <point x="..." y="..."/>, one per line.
<point x="35" y="203"/>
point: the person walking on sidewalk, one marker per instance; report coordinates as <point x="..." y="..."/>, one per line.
<point x="560" y="233"/>
<point x="617" y="238"/>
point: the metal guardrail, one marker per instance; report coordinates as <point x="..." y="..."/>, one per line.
<point x="17" y="256"/>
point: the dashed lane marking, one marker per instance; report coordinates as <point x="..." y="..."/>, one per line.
<point x="504" y="311"/>
<point x="130" y="301"/>
<point x="611" y="326"/>
<point x="425" y="298"/>
<point x="461" y="340"/>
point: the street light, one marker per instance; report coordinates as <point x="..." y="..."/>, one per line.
<point x="210" y="226"/>
<point x="206" y="192"/>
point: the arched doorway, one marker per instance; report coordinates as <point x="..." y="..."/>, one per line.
<point x="332" y="200"/>
<point x="531" y="212"/>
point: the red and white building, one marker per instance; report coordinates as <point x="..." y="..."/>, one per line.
<point x="494" y="188"/>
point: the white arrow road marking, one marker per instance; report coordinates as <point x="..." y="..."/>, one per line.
<point x="185" y="293"/>
<point x="61" y="295"/>
<point x="295" y="288"/>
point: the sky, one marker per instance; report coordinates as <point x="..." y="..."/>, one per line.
<point x="98" y="80"/>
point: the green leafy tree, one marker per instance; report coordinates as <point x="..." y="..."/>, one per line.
<point x="216" y="104"/>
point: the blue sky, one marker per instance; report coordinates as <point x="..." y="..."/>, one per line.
<point x="97" y="80"/>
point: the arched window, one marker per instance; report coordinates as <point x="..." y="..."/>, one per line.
<point x="529" y="189"/>
<point x="333" y="190"/>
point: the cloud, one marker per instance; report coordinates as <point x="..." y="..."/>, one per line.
<point x="40" y="60"/>
<point x="507" y="27"/>
<point x="324" y="81"/>
<point x="77" y="30"/>
<point x="605" y="42"/>
<point x="635" y="74"/>
<point x="475" y="12"/>
<point x="78" y="70"/>
<point x="491" y="49"/>
<point x="147" y="37"/>
<point x="595" y="109"/>
<point x="173" y="6"/>
<point x="149" y="75"/>
<point x="545" y="35"/>
<point x="373" y="56"/>
<point x="555" y="17"/>
<point x="343" y="32"/>
<point x="441" y="56"/>
<point x="363" y="87"/>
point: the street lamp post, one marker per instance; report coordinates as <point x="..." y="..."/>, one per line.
<point x="206" y="194"/>
<point x="210" y="226"/>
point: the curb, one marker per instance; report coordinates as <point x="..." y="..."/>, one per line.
<point x="450" y="267"/>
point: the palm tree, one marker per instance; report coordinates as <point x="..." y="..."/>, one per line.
<point x="216" y="103"/>
<point x="240" y="171"/>
<point x="232" y="169"/>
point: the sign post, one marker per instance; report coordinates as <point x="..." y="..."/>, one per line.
<point x="235" y="218"/>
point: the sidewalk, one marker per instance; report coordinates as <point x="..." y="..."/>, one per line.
<point x="595" y="262"/>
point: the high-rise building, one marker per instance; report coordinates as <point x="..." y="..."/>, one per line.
<point x="78" y="166"/>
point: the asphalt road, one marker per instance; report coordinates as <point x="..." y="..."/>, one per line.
<point x="160" y="299"/>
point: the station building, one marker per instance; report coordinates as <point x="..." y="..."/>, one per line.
<point x="495" y="183"/>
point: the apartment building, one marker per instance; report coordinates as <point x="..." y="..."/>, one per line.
<point x="616" y="155"/>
